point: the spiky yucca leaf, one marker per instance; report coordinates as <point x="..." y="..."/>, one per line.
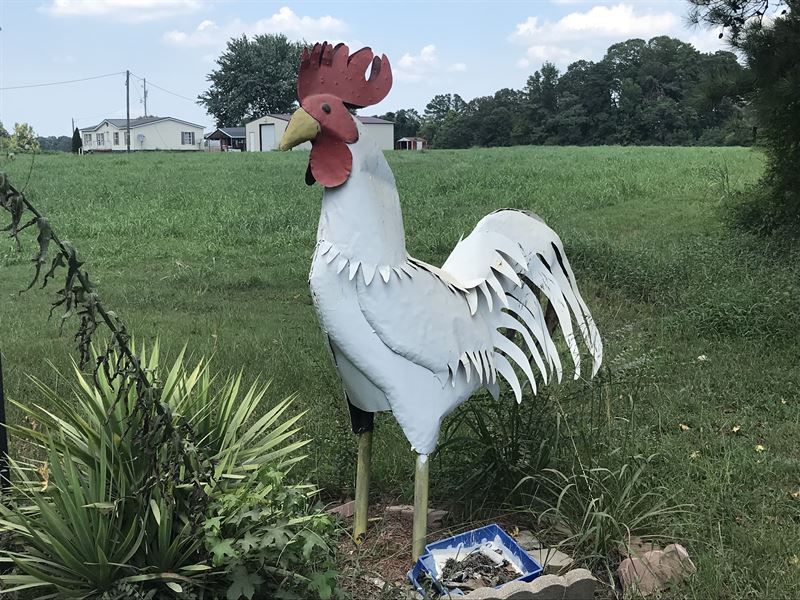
<point x="82" y="535"/>
<point x="89" y="520"/>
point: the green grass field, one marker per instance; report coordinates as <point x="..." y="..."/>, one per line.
<point x="213" y="250"/>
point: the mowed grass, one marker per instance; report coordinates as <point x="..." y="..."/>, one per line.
<point x="213" y="250"/>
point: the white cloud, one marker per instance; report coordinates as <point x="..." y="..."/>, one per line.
<point x="587" y="34"/>
<point x="285" y="21"/>
<point x="128" y="11"/>
<point x="705" y="40"/>
<point x="605" y="21"/>
<point x="543" y="52"/>
<point x="413" y="67"/>
<point x="423" y="66"/>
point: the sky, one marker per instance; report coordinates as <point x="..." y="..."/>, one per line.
<point x="466" y="47"/>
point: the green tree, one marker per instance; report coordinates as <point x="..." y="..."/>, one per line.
<point x="437" y="110"/>
<point x="407" y="122"/>
<point x="588" y="85"/>
<point x="549" y="93"/>
<point x="454" y="132"/>
<point x="734" y="16"/>
<point x="572" y="122"/>
<point x="253" y="77"/>
<point x="51" y="143"/>
<point x="77" y="141"/>
<point x="541" y="106"/>
<point x="23" y="139"/>
<point x="3" y="136"/>
<point x="629" y="101"/>
<point x="770" y="47"/>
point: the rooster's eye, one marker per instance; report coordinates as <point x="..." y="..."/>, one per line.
<point x="326" y="108"/>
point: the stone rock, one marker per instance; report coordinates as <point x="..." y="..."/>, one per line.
<point x="376" y="581"/>
<point x="345" y="510"/>
<point x="436" y="518"/>
<point x="655" y="570"/>
<point x="577" y="584"/>
<point x="405" y="514"/>
<point x="553" y="561"/>
<point x="527" y="541"/>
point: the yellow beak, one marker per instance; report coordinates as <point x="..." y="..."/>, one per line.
<point x="302" y="127"/>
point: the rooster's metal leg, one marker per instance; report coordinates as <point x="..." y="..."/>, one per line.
<point x="420" y="527"/>
<point x="362" y="486"/>
<point x="363" y="423"/>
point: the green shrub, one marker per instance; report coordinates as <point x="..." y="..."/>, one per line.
<point x="488" y="446"/>
<point x="94" y="520"/>
<point x="601" y="492"/>
<point x="765" y="210"/>
<point x="602" y="508"/>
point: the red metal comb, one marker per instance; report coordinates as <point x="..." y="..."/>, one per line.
<point x="327" y="69"/>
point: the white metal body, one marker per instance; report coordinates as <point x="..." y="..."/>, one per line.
<point x="418" y="340"/>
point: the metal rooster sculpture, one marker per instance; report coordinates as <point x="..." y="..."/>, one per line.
<point x="406" y="336"/>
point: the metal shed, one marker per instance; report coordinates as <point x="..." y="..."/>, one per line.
<point x="411" y="143"/>
<point x="264" y="134"/>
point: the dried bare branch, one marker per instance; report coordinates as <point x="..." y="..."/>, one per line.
<point x="170" y="448"/>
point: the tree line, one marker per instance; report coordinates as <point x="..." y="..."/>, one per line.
<point x="23" y="139"/>
<point x="662" y="91"/>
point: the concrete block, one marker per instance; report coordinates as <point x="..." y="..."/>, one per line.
<point x="577" y="584"/>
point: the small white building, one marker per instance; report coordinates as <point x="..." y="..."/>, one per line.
<point x="147" y="133"/>
<point x="265" y="133"/>
<point x="411" y="143"/>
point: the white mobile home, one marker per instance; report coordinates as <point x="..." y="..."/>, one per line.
<point x="147" y="133"/>
<point x="265" y="133"/>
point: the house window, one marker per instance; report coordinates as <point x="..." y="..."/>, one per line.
<point x="87" y="139"/>
<point x="116" y="138"/>
<point x="101" y="139"/>
<point x="127" y="138"/>
<point x="187" y="138"/>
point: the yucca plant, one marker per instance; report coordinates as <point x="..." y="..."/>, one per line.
<point x="93" y="520"/>
<point x="602" y="508"/>
<point x="76" y="536"/>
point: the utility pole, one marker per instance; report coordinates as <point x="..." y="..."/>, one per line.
<point x="128" y="107"/>
<point x="144" y="81"/>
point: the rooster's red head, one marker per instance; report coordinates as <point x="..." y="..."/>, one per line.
<point x="330" y="81"/>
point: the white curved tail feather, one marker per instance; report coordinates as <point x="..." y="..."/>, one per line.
<point x="509" y="258"/>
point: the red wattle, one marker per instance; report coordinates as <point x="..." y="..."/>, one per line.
<point x="331" y="161"/>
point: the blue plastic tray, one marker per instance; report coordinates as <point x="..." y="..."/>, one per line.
<point x="425" y="564"/>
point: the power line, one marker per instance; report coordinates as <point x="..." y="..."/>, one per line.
<point x="150" y="83"/>
<point x="36" y="85"/>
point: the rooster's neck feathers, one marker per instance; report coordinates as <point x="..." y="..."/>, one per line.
<point x="362" y="218"/>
